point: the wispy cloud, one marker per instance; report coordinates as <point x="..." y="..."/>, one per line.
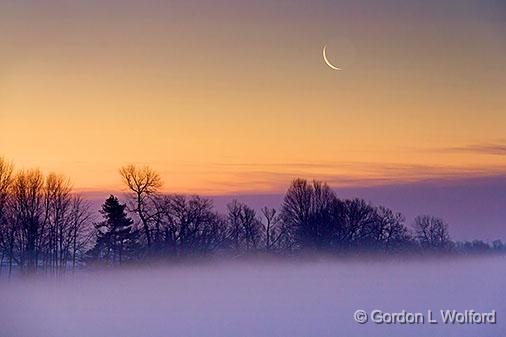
<point x="275" y="177"/>
<point x="498" y="148"/>
<point x="250" y="177"/>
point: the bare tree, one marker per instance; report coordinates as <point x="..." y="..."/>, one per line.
<point x="308" y="210"/>
<point x="273" y="228"/>
<point x="191" y="225"/>
<point x="28" y="210"/>
<point x="234" y="224"/>
<point x="144" y="183"/>
<point x="251" y="228"/>
<point x="389" y="230"/>
<point x="296" y="208"/>
<point x="55" y="227"/>
<point x="6" y="173"/>
<point x="41" y="223"/>
<point x="244" y="228"/>
<point x="432" y="232"/>
<point x="318" y="219"/>
<point x="80" y="229"/>
<point x="357" y="220"/>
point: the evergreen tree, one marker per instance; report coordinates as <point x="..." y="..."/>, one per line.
<point x="116" y="237"/>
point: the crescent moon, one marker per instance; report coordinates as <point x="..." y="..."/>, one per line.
<point x="327" y="60"/>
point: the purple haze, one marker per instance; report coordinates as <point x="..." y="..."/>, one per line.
<point x="253" y="299"/>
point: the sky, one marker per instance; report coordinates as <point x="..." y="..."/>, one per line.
<point x="234" y="96"/>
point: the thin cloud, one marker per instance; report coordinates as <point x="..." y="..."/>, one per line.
<point x="226" y="178"/>
<point x="498" y="149"/>
<point x="271" y="179"/>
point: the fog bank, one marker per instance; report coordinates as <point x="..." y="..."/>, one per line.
<point x="303" y="299"/>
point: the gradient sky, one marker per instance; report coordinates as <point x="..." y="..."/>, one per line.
<point x="233" y="96"/>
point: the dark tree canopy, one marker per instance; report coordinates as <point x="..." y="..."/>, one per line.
<point x="309" y="210"/>
<point x="116" y="239"/>
<point x="319" y="220"/>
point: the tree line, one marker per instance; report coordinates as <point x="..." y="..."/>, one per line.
<point x="45" y="226"/>
<point x="42" y="223"/>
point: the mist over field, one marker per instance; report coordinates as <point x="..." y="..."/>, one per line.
<point x="254" y="298"/>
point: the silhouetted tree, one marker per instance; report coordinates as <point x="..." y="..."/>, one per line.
<point x="234" y="234"/>
<point x="296" y="209"/>
<point x="432" y="232"/>
<point x="55" y="229"/>
<point x="273" y="229"/>
<point x="29" y="216"/>
<point x="325" y="215"/>
<point x="318" y="219"/>
<point x="80" y="233"/>
<point x="389" y="231"/>
<point x="308" y="210"/>
<point x="357" y="222"/>
<point x="116" y="237"/>
<point x="244" y="228"/>
<point x="144" y="184"/>
<point x="251" y="228"/>
<point x="190" y="225"/>
<point x="6" y="173"/>
<point x="6" y="239"/>
<point x="43" y="224"/>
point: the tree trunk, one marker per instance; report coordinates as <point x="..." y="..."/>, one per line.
<point x="143" y="220"/>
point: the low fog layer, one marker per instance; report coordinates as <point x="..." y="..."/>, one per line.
<point x="316" y="298"/>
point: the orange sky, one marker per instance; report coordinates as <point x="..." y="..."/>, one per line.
<point x="232" y="96"/>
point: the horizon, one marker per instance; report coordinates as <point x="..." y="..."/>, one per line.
<point x="463" y="203"/>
